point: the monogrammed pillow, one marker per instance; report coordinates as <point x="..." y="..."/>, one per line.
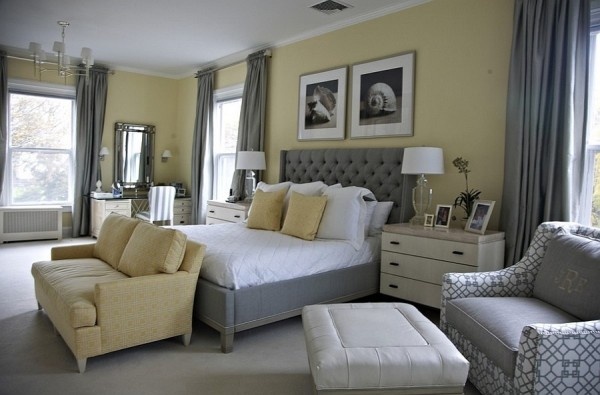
<point x="569" y="275"/>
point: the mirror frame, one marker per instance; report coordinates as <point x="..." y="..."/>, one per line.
<point x="120" y="129"/>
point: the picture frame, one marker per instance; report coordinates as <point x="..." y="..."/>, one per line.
<point x="428" y="220"/>
<point x="383" y="97"/>
<point x="443" y="214"/>
<point x="480" y="216"/>
<point x="322" y="105"/>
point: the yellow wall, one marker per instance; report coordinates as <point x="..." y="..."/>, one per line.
<point x="462" y="54"/>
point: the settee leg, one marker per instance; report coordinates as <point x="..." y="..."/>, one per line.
<point x="81" y="364"/>
<point x="186" y="337"/>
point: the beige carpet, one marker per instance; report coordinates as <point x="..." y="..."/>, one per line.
<point x="33" y="360"/>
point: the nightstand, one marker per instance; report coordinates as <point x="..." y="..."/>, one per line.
<point x="222" y="212"/>
<point x="182" y="211"/>
<point x="414" y="259"/>
<point x="101" y="208"/>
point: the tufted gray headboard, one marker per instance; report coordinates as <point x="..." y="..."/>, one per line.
<point x="378" y="169"/>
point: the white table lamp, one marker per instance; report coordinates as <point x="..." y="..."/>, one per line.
<point x="250" y="161"/>
<point x="421" y="161"/>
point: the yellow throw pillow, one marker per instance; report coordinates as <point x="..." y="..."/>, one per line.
<point x="265" y="212"/>
<point x="304" y="215"/>
<point x="114" y="234"/>
<point x="153" y="250"/>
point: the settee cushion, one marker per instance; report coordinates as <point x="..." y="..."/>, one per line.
<point x="114" y="235"/>
<point x="569" y="275"/>
<point x="152" y="250"/>
<point x="494" y="324"/>
<point x="69" y="285"/>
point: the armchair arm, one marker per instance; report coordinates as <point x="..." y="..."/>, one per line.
<point x="72" y="251"/>
<point x="553" y="357"/>
<point x="139" y="310"/>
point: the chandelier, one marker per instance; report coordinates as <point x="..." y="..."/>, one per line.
<point x="62" y="65"/>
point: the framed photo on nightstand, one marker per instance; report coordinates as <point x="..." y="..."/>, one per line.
<point x="442" y="215"/>
<point x="480" y="216"/>
<point x="429" y="220"/>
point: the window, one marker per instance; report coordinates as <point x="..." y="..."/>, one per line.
<point x="40" y="154"/>
<point x="226" y="118"/>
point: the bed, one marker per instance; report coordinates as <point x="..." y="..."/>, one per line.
<point x="233" y="310"/>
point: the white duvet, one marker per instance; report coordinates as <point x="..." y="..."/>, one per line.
<point x="238" y="257"/>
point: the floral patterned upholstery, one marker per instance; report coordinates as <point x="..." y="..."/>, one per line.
<point x="552" y="358"/>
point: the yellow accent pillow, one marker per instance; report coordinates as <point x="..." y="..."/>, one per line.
<point x="266" y="209"/>
<point x="112" y="240"/>
<point x="304" y="215"/>
<point x="152" y="250"/>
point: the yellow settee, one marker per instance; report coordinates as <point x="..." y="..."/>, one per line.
<point x="134" y="285"/>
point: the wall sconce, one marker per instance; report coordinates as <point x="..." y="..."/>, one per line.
<point x="166" y="155"/>
<point x="103" y="152"/>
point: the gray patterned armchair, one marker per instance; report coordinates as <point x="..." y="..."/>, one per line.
<point x="534" y="327"/>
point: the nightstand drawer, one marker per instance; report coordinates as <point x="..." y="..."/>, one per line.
<point x="451" y="251"/>
<point x="409" y="289"/>
<point x="117" y="206"/>
<point x="213" y="221"/>
<point x="181" y="219"/>
<point x="419" y="268"/>
<point x="226" y="214"/>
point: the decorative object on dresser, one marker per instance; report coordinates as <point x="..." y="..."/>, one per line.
<point x="250" y="161"/>
<point x="443" y="214"/>
<point x="223" y="212"/>
<point x="322" y="105"/>
<point x="383" y="97"/>
<point x="467" y="198"/>
<point x="421" y="161"/>
<point x="414" y="259"/>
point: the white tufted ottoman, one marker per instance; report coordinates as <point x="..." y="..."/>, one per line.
<point x="374" y="348"/>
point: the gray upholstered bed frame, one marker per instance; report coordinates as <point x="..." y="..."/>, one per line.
<point x="378" y="169"/>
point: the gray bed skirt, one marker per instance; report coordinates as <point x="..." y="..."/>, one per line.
<point x="230" y="311"/>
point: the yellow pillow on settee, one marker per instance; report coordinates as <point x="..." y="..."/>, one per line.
<point x="152" y="250"/>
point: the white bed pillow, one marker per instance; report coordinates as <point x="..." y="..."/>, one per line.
<point x="380" y="216"/>
<point x="344" y="215"/>
<point x="263" y="186"/>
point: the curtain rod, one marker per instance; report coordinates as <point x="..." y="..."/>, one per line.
<point x="210" y="69"/>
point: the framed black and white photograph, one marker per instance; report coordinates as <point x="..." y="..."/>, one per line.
<point x="428" y="220"/>
<point x="322" y="105"/>
<point x="480" y="216"/>
<point x="383" y="97"/>
<point x="443" y="214"/>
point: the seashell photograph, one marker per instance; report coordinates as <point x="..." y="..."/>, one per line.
<point x="322" y="105"/>
<point x="383" y="97"/>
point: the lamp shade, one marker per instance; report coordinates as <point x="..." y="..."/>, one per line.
<point x="104" y="151"/>
<point x="166" y="154"/>
<point x="423" y="160"/>
<point x="250" y="160"/>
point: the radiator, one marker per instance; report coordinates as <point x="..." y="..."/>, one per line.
<point x="30" y="223"/>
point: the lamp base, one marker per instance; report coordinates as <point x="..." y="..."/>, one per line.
<point x="417" y="220"/>
<point x="421" y="195"/>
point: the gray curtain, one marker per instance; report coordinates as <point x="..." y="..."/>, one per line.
<point x="91" y="106"/>
<point x="251" y="134"/>
<point x="3" y="115"/>
<point x="546" y="118"/>
<point x="202" y="149"/>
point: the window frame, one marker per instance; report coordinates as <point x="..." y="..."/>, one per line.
<point x="221" y="95"/>
<point x="34" y="88"/>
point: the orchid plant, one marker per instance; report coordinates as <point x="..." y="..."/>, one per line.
<point x="466" y="198"/>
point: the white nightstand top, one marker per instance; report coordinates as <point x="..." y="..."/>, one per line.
<point x="453" y="234"/>
<point x="236" y="206"/>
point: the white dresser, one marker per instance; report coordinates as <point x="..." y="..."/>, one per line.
<point x="182" y="211"/>
<point x="222" y="212"/>
<point x="414" y="258"/>
<point x="102" y="207"/>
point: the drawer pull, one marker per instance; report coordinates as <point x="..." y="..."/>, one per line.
<point x="394" y="264"/>
<point x="395" y="242"/>
<point x="393" y="286"/>
<point x="211" y="211"/>
<point x="236" y="216"/>
<point x="458" y="253"/>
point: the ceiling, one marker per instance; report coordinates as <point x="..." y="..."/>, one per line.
<point x="174" y="38"/>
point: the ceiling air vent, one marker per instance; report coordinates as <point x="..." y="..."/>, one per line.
<point x="330" y="7"/>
